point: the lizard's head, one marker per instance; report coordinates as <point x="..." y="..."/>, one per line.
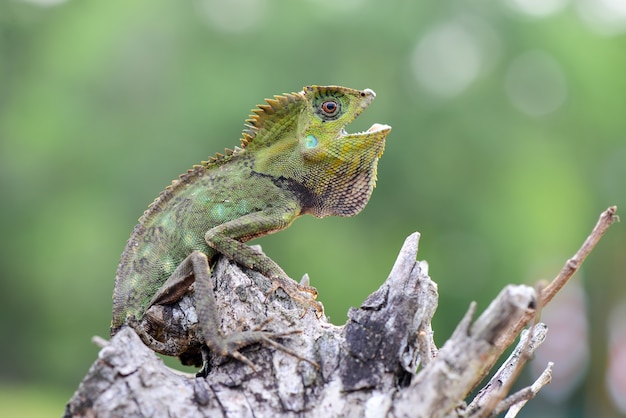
<point x="305" y="141"/>
<point x="342" y="166"/>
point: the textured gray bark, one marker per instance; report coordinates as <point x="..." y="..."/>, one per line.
<point x="381" y="363"/>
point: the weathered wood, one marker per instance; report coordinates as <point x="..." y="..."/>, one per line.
<point x="366" y="358"/>
<point x="382" y="363"/>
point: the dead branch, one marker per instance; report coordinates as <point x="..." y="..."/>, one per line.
<point x="382" y="363"/>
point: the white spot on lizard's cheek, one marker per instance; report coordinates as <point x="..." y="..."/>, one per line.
<point x="311" y="141"/>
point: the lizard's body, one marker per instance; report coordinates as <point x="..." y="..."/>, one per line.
<point x="175" y="226"/>
<point x="296" y="158"/>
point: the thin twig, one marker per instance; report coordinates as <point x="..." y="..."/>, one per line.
<point x="573" y="264"/>
<point x="607" y="218"/>
<point x="524" y="355"/>
<point x="489" y="398"/>
<point x="516" y="401"/>
<point x="506" y="338"/>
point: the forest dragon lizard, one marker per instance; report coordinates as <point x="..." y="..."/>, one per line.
<point x="295" y="158"/>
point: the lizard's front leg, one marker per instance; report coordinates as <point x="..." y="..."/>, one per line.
<point x="229" y="238"/>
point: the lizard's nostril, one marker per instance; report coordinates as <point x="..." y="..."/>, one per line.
<point x="369" y="92"/>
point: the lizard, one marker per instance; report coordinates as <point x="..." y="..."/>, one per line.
<point x="295" y="158"/>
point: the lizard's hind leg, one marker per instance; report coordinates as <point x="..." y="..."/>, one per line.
<point x="209" y="322"/>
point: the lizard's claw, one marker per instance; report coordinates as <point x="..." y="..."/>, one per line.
<point x="295" y="292"/>
<point x="231" y="344"/>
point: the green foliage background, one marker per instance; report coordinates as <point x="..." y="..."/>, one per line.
<point x="509" y="138"/>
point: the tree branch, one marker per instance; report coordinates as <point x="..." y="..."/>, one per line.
<point x="382" y="363"/>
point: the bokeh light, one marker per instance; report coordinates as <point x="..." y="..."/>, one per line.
<point x="535" y="83"/>
<point x="232" y="16"/>
<point x="607" y="17"/>
<point x="450" y="56"/>
<point x="538" y="8"/>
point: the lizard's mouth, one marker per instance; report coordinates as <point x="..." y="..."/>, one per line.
<point x="373" y="138"/>
<point x="375" y="128"/>
<point x="379" y="127"/>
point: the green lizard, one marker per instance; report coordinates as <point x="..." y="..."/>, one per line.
<point x="295" y="158"/>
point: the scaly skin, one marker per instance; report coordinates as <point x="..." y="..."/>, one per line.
<point x="295" y="158"/>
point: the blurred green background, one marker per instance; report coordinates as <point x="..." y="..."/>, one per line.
<point x="509" y="139"/>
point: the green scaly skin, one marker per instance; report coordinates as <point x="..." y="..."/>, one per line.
<point x="295" y="158"/>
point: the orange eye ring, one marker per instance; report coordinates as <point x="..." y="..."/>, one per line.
<point x="330" y="107"/>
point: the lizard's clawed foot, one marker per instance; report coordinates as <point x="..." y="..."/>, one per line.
<point x="230" y="345"/>
<point x="297" y="293"/>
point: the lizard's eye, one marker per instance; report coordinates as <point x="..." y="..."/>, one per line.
<point x="330" y="107"/>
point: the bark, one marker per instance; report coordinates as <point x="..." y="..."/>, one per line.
<point x="382" y="363"/>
